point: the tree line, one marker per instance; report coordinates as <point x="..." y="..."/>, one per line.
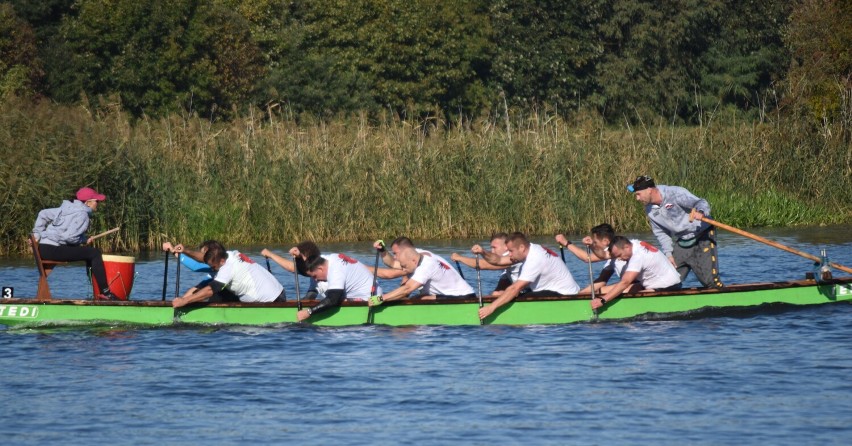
<point x="619" y="59"/>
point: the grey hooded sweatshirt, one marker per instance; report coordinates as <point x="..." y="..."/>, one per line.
<point x="670" y="219"/>
<point x="65" y="225"/>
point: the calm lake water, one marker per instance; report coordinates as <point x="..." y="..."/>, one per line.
<point x="778" y="376"/>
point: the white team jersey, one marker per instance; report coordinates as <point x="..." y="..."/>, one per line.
<point x="320" y="287"/>
<point x="513" y="271"/>
<point x="655" y="270"/>
<point x="347" y="274"/>
<point x="432" y="254"/>
<point x="429" y="254"/>
<point x="248" y="280"/>
<point x="544" y="270"/>
<point x="438" y="277"/>
<point x="616" y="265"/>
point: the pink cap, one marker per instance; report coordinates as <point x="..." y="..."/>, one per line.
<point x="87" y="193"/>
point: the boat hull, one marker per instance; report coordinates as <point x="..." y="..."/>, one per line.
<point x="533" y="311"/>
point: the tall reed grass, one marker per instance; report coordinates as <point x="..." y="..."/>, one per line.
<point x="265" y="178"/>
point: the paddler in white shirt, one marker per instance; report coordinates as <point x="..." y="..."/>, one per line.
<point x="541" y="270"/>
<point x="438" y="279"/>
<point x="302" y="255"/>
<point x="193" y="259"/>
<point x="235" y="272"/>
<point x="346" y="277"/>
<point x="598" y="242"/>
<point x="391" y="257"/>
<point x="498" y="246"/>
<point x="647" y="269"/>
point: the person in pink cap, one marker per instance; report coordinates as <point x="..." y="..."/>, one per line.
<point x="61" y="233"/>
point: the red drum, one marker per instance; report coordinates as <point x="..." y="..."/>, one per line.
<point x="120" y="272"/>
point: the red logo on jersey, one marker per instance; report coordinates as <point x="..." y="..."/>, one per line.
<point x="347" y="259"/>
<point x="444" y="265"/>
<point x="245" y="258"/>
<point x="550" y="251"/>
<point x="648" y="246"/>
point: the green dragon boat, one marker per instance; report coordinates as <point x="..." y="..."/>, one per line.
<point x="522" y="311"/>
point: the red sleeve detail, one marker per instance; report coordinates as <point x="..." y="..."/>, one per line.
<point x="246" y="258"/>
<point x="444" y="265"/>
<point x="550" y="251"/>
<point x="347" y="259"/>
<point x="648" y="246"/>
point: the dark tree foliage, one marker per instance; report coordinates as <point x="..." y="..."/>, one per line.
<point x="819" y="82"/>
<point x="678" y="58"/>
<point x="158" y="56"/>
<point x="434" y="54"/>
<point x="398" y="55"/>
<point x="652" y="52"/>
<point x="742" y="66"/>
<point x="20" y="67"/>
<point x="315" y="57"/>
<point x="546" y="50"/>
<point x="226" y="63"/>
<point x="624" y="59"/>
<point x="44" y="16"/>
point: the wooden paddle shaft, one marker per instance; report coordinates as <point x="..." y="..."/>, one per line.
<point x="773" y="244"/>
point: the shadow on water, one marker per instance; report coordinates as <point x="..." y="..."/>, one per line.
<point x="768" y="309"/>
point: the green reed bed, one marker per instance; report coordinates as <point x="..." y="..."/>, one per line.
<point x="271" y="180"/>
